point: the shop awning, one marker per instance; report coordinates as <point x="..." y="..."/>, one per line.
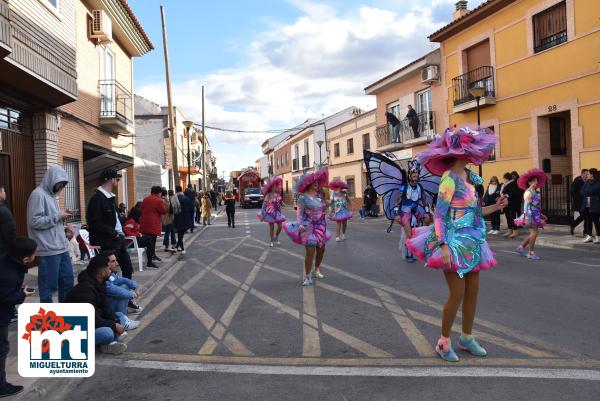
<point x="97" y="159"/>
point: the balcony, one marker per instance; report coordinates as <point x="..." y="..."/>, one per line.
<point x="5" y="47"/>
<point x="482" y="77"/>
<point x="389" y="140"/>
<point x="295" y="166"/>
<point x="116" y="107"/>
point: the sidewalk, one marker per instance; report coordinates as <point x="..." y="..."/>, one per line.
<point x="146" y="280"/>
<point x="556" y="236"/>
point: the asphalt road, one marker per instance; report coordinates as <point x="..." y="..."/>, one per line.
<point x="231" y="322"/>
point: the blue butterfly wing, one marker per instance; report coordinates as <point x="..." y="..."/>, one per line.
<point x="430" y="184"/>
<point x="387" y="178"/>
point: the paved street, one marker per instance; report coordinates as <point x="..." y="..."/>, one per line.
<point x="231" y="322"/>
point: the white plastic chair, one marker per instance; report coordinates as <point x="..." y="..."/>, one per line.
<point x="85" y="235"/>
<point x="138" y="250"/>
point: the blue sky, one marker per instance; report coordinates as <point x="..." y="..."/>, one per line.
<point x="270" y="64"/>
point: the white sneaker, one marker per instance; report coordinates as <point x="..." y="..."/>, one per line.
<point x="588" y="238"/>
<point x="337" y="239"/>
<point x="277" y="241"/>
<point x="131" y="324"/>
<point x="343" y="237"/>
<point x="114" y="348"/>
<point x="596" y="240"/>
<point x="491" y="232"/>
<point x="495" y="232"/>
<point x="271" y="244"/>
<point x="183" y="252"/>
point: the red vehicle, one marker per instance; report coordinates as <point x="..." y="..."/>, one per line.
<point x="249" y="189"/>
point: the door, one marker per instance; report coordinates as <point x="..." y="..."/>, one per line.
<point x="423" y="109"/>
<point x="107" y="86"/>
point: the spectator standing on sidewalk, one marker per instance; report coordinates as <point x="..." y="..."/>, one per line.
<point x="513" y="209"/>
<point x="172" y="204"/>
<point x="105" y="227"/>
<point x="591" y="192"/>
<point x="192" y="195"/>
<point x="110" y="326"/>
<point x="230" y="209"/>
<point x="12" y="292"/>
<point x="577" y="198"/>
<point x="8" y="230"/>
<point x="491" y="196"/>
<point x="153" y="209"/>
<point x="213" y="198"/>
<point x="184" y="220"/>
<point x="45" y="227"/>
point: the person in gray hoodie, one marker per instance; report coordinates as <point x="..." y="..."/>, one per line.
<point x="45" y="226"/>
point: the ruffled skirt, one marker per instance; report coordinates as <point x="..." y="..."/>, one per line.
<point x="341" y="215"/>
<point x="465" y="248"/>
<point x="276" y="217"/>
<point x="526" y="220"/>
<point x="314" y="235"/>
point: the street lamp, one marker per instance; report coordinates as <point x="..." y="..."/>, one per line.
<point x="320" y="143"/>
<point x="477" y="92"/>
<point x="188" y="124"/>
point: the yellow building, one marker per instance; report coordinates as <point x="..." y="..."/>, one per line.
<point x="536" y="63"/>
<point x="346" y="144"/>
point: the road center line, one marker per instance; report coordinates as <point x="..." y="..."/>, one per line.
<point x="529" y="373"/>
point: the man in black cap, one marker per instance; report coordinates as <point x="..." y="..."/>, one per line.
<point x="103" y="221"/>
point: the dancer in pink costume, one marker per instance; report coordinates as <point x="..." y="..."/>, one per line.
<point x="272" y="206"/>
<point x="340" y="208"/>
<point x="532" y="215"/>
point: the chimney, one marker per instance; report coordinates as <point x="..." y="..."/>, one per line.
<point x="461" y="9"/>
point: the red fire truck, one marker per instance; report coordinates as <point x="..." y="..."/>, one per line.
<point x="249" y="189"/>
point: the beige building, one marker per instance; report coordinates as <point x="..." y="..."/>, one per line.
<point x="66" y="83"/>
<point x="347" y="142"/>
<point x="416" y="84"/>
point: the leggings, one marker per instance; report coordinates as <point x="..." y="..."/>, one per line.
<point x="460" y="291"/>
<point x="495" y="220"/>
<point x="511" y="215"/>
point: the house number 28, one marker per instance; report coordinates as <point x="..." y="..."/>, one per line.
<point x="551" y="108"/>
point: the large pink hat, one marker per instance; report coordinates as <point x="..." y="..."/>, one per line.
<point x="321" y="177"/>
<point x="464" y="143"/>
<point x="270" y="184"/>
<point x="523" y="180"/>
<point x="338" y="185"/>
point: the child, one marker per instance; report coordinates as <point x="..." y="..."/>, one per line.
<point x="532" y="215"/>
<point x="340" y="208"/>
<point x="12" y="292"/>
<point x="73" y="247"/>
<point x="230" y="209"/>
<point x="83" y="245"/>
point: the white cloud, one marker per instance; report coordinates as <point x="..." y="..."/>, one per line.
<point x="315" y="66"/>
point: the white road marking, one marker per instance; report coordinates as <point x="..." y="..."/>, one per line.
<point x="505" y="251"/>
<point x="583" y="264"/>
<point x="529" y="373"/>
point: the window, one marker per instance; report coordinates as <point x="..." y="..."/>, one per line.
<point x="336" y="150"/>
<point x="286" y="158"/>
<point x="366" y="139"/>
<point x="10" y="119"/>
<point x="558" y="136"/>
<point x="72" y="189"/>
<point x="550" y="27"/>
<point x="351" y="189"/>
<point x="125" y="188"/>
<point x="350" y="146"/>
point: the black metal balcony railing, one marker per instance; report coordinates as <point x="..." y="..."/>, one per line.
<point x="482" y="77"/>
<point x="295" y="164"/>
<point x="551" y="41"/>
<point x="403" y="132"/>
<point x="115" y="101"/>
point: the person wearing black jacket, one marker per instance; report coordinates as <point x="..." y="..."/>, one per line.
<point x="8" y="230"/>
<point x="184" y="220"/>
<point x="14" y="267"/>
<point x="413" y="121"/>
<point x="490" y="198"/>
<point x="230" y="209"/>
<point x="577" y="199"/>
<point x="104" y="225"/>
<point x="90" y="288"/>
<point x="591" y="192"/>
<point x="515" y="198"/>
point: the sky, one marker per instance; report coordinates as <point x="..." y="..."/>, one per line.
<point x="272" y="64"/>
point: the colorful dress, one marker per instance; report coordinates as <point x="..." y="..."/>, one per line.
<point x="271" y="209"/>
<point x="411" y="203"/>
<point x="459" y="223"/>
<point x="532" y="214"/>
<point x="340" y="207"/>
<point x="311" y="216"/>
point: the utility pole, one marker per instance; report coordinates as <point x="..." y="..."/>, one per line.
<point x="171" y="117"/>
<point x="203" y="146"/>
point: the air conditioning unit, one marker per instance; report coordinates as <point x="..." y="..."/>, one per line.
<point x="101" y="26"/>
<point x="430" y="74"/>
